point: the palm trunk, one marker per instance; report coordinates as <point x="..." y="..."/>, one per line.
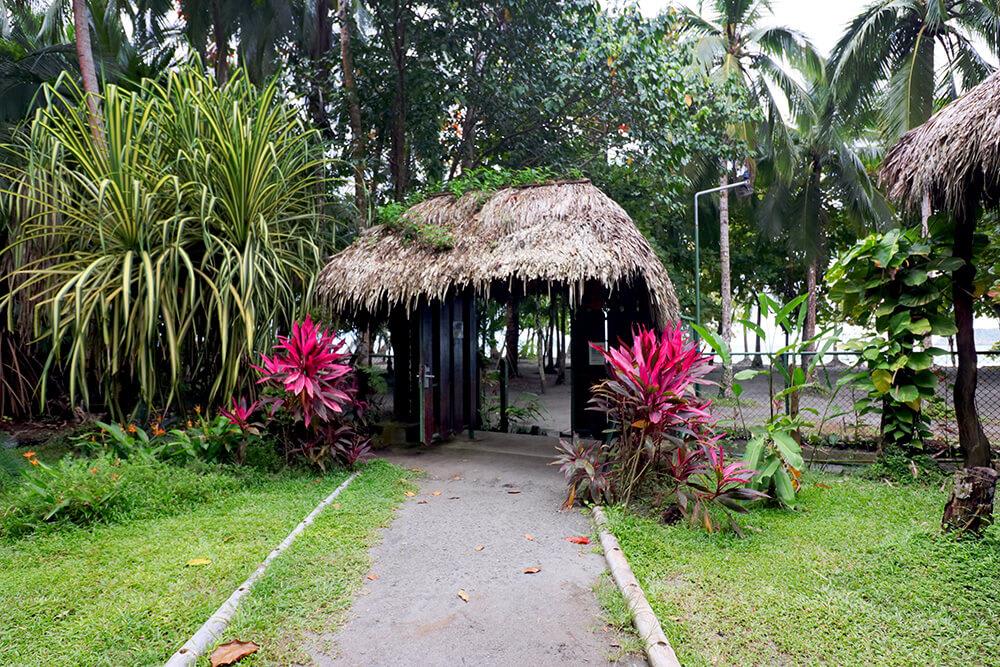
<point x="221" y="37"/>
<point x="725" y="282"/>
<point x="397" y="155"/>
<point x="972" y="440"/>
<point x="809" y="328"/>
<point x="353" y="112"/>
<point x="88" y="69"/>
<point x="315" y="100"/>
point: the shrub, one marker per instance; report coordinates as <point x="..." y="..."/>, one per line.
<point x="704" y="483"/>
<point x="311" y="396"/>
<point x="651" y="404"/>
<point x="83" y="492"/>
<point x="312" y="370"/>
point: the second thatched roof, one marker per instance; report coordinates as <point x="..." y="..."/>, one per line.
<point x="954" y="155"/>
<point x="564" y="233"/>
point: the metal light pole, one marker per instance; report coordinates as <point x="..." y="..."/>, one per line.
<point x="697" y="245"/>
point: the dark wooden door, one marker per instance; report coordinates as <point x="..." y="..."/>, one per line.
<point x="426" y="376"/>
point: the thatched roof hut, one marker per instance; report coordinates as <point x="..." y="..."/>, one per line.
<point x="564" y="233"/>
<point x="953" y="157"/>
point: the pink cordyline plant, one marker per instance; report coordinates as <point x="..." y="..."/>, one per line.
<point x="653" y="381"/>
<point x="650" y="399"/>
<point x="312" y="367"/>
<point x="240" y="414"/>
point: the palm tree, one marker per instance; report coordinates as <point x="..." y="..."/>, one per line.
<point x="828" y="179"/>
<point x="88" y="70"/>
<point x="731" y="42"/>
<point x="887" y="60"/>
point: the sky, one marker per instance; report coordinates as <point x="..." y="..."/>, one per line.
<point x="822" y="21"/>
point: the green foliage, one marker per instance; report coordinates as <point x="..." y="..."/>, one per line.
<point x="485" y="181"/>
<point x="774" y="449"/>
<point x="898" y="283"/>
<point x="903" y="467"/>
<point x="84" y="492"/>
<point x="184" y="239"/>
<point x="776" y="455"/>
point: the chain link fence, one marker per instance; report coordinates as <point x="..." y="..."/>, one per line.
<point x="832" y="410"/>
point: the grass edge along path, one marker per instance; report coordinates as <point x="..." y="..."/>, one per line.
<point x="307" y="591"/>
<point x="860" y="574"/>
<point x="123" y="594"/>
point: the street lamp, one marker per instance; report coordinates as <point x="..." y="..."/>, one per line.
<point x="745" y="190"/>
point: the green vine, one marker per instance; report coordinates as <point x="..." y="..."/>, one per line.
<point x="485" y="181"/>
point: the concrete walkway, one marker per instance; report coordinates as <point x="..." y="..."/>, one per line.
<point x="488" y="493"/>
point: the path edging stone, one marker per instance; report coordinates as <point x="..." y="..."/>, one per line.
<point x="211" y="631"/>
<point x="659" y="653"/>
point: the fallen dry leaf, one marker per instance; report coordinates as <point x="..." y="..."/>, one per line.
<point x="532" y="570"/>
<point x="409" y="494"/>
<point x="436" y="493"/>
<point x="421" y="502"/>
<point x="462" y="594"/>
<point x="513" y="491"/>
<point x="199" y="561"/>
<point x="578" y="539"/>
<point x="480" y="547"/>
<point x="336" y="506"/>
<point x="529" y="537"/>
<point x="456" y="478"/>
<point x="372" y="577"/>
<point x="452" y="497"/>
<point x="232" y="652"/>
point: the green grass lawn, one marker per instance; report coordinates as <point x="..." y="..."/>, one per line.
<point x="860" y="575"/>
<point x="123" y="594"/>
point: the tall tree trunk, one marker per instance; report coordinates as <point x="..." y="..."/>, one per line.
<point x="353" y="112"/>
<point x="318" y="52"/>
<point x="725" y="281"/>
<point x="540" y="348"/>
<point x="972" y="440"/>
<point x="513" y="335"/>
<point x="758" y="361"/>
<point x="88" y="70"/>
<point x="397" y="155"/>
<point x="221" y="38"/>
<point x="809" y="328"/>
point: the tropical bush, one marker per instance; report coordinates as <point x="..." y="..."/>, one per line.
<point x="662" y="434"/>
<point x="155" y="260"/>
<point x="105" y="489"/>
<point x="311" y="396"/>
<point x="899" y="284"/>
<point x="651" y="404"/>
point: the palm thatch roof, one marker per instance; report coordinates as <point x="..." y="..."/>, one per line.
<point x="566" y="233"/>
<point x="953" y="156"/>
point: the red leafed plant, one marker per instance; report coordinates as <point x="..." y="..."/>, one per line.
<point x="312" y="368"/>
<point x="703" y="481"/>
<point x="651" y="403"/>
<point x="240" y="414"/>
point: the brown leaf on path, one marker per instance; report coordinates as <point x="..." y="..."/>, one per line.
<point x="436" y="493"/>
<point x="232" y="652"/>
<point x="456" y="478"/>
<point x="529" y="537"/>
<point x="578" y="539"/>
<point x="421" y="502"/>
<point x="372" y="577"/>
<point x="532" y="570"/>
<point x="409" y="494"/>
<point x="480" y="547"/>
<point x="194" y="562"/>
<point x="452" y="497"/>
<point x="513" y="491"/>
<point x="462" y="594"/>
